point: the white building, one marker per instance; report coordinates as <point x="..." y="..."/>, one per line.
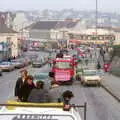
<point x="20" y="21"/>
<point x="117" y="36"/>
<point x="9" y="43"/>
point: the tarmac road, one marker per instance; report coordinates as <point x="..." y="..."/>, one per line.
<point x="100" y="105"/>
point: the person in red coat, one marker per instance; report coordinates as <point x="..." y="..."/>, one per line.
<point x="106" y="67"/>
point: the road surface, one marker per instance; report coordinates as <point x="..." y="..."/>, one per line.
<point x="101" y="106"/>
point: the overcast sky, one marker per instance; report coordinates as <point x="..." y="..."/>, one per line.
<point x="103" y="5"/>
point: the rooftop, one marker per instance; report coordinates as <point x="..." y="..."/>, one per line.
<point x="66" y="24"/>
<point x="47" y="25"/>
<point x="4" y="29"/>
<point x="44" y="25"/>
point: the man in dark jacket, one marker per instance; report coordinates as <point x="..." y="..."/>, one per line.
<point x="39" y="94"/>
<point x="67" y="96"/>
<point x="20" y="83"/>
<point x="55" y="94"/>
<point x="60" y="55"/>
<point x="26" y="89"/>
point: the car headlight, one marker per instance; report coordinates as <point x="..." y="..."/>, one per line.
<point x="85" y="80"/>
<point x="99" y="79"/>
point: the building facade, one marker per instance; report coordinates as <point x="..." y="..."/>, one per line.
<point x="9" y="44"/>
<point x="88" y="36"/>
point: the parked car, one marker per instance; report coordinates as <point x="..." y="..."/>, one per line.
<point x="6" y="66"/>
<point x="17" y="64"/>
<point x="90" y="77"/>
<point x="28" y="60"/>
<point x="24" y="61"/>
<point x="38" y="62"/>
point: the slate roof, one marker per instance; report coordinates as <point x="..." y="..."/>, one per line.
<point x="47" y="25"/>
<point x="44" y="25"/>
<point x="4" y="29"/>
<point x="66" y="24"/>
<point x="116" y="29"/>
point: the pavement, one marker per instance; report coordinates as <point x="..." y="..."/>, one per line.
<point x="111" y="83"/>
<point x="100" y="104"/>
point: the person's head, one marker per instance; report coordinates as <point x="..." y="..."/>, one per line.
<point x="54" y="84"/>
<point x="30" y="80"/>
<point x="40" y="85"/>
<point x="51" y="74"/>
<point x="61" y="51"/>
<point x="24" y="73"/>
<point x="67" y="95"/>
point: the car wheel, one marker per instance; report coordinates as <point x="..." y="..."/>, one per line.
<point x="81" y="82"/>
<point x="0" y="74"/>
<point x="10" y="70"/>
<point x="99" y="84"/>
<point x="40" y="65"/>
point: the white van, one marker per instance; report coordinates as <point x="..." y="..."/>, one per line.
<point x="44" y="111"/>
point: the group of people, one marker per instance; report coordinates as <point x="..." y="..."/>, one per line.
<point x="27" y="91"/>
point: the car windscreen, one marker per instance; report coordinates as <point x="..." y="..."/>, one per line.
<point x="5" y="63"/>
<point x="62" y="65"/>
<point x="38" y="60"/>
<point x="89" y="73"/>
<point x="15" y="61"/>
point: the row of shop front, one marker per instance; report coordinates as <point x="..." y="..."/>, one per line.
<point x="73" y="41"/>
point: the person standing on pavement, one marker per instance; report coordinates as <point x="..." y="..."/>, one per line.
<point x="98" y="65"/>
<point x="86" y="60"/>
<point x="26" y="89"/>
<point x="50" y="59"/>
<point x="20" y="83"/>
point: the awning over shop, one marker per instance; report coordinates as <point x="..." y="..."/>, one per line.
<point x="75" y="41"/>
<point x="87" y="42"/>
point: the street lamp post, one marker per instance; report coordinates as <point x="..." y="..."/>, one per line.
<point x="96" y="18"/>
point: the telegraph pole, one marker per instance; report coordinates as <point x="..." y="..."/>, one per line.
<point x="96" y="19"/>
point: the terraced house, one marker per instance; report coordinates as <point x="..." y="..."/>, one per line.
<point x="9" y="44"/>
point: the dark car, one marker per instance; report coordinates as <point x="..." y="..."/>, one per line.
<point x="32" y="57"/>
<point x="38" y="62"/>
